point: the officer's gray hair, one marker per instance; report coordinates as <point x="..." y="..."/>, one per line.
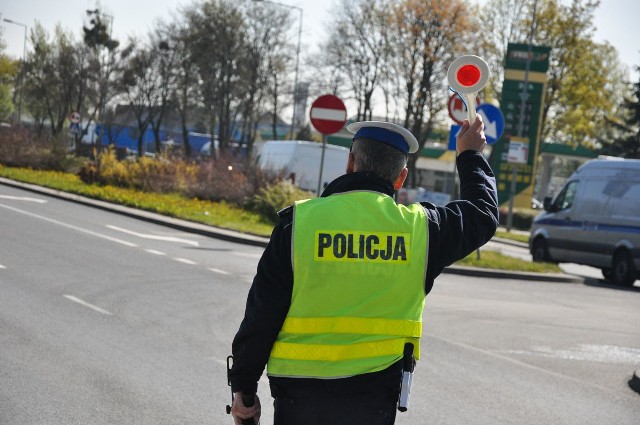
<point x="378" y="158"/>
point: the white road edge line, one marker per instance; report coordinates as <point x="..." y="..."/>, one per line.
<point x="153" y="237"/>
<point x="184" y="260"/>
<point x="218" y="270"/>
<point x="2" y="267"/>
<point x="86" y="304"/>
<point x="70" y="226"/>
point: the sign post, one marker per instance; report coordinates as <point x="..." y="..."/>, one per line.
<point x="328" y="115"/>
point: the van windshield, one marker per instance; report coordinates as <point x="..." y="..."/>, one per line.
<point x="566" y="197"/>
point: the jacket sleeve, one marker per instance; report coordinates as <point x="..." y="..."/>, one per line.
<point x="267" y="306"/>
<point x="464" y="225"/>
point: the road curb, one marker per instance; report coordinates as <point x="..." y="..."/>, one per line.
<point x="510" y="242"/>
<point x="634" y="382"/>
<point x="244" y="238"/>
<point x="508" y="274"/>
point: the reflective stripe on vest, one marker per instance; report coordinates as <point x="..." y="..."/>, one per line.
<point x="358" y="291"/>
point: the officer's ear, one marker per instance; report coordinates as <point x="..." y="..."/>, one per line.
<point x="351" y="163"/>
<point x="401" y="178"/>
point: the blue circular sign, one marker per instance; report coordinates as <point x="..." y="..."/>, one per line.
<point x="493" y="122"/>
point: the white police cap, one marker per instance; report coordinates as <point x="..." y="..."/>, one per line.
<point x="385" y="132"/>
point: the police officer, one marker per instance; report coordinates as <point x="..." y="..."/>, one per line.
<point x="339" y="291"/>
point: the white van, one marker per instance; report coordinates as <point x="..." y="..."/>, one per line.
<point x="594" y="220"/>
<point x="300" y="161"/>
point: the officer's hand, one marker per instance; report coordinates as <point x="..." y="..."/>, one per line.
<point x="471" y="137"/>
<point x="239" y="411"/>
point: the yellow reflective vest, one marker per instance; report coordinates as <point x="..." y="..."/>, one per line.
<point x="359" y="264"/>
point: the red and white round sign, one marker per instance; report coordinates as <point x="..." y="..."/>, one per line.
<point x="457" y="108"/>
<point x="328" y="114"/>
<point x="74" y="117"/>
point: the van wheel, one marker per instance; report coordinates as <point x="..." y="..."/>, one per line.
<point x="623" y="271"/>
<point x="539" y="252"/>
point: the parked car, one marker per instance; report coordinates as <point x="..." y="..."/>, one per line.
<point x="594" y="220"/>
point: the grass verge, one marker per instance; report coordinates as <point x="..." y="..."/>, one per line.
<point x="495" y="260"/>
<point x="512" y="236"/>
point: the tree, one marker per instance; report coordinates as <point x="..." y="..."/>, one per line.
<point x="267" y="55"/>
<point x="627" y="142"/>
<point x="56" y="77"/>
<point x="583" y="78"/>
<point x="164" y="60"/>
<point x="358" y="49"/>
<point x="502" y="23"/>
<point x="139" y="88"/>
<point x="9" y="70"/>
<point x="427" y="36"/>
<point x="218" y="49"/>
<point x="185" y="95"/>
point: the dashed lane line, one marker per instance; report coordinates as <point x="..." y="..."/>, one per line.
<point x="2" y="267"/>
<point x="88" y="305"/>
<point x="154" y="237"/>
<point x="69" y="226"/>
<point x="155" y="252"/>
<point x="218" y="271"/>
<point x="185" y="261"/>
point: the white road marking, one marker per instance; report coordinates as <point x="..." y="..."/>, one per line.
<point x="517" y="362"/>
<point x="70" y="226"/>
<point x="154" y="237"/>
<point x="218" y="270"/>
<point x="86" y="304"/>
<point x="2" y="267"/>
<point x="585" y="352"/>
<point x="153" y="251"/>
<point x="23" y="198"/>
<point x="246" y="254"/>
<point x="184" y="260"/>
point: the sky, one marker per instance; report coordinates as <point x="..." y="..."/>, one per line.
<point x="616" y="20"/>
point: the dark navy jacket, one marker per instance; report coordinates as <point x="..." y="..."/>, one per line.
<point x="455" y="230"/>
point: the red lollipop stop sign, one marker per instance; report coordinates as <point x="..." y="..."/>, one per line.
<point x="467" y="75"/>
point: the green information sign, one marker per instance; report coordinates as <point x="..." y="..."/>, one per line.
<point x="522" y="93"/>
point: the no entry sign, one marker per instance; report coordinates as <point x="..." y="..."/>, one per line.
<point x="328" y="114"/>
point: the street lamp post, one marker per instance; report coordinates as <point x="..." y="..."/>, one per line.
<point x="295" y="83"/>
<point x="24" y="49"/>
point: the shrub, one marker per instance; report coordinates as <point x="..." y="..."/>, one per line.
<point x="147" y="174"/>
<point x="274" y="197"/>
<point x="20" y="148"/>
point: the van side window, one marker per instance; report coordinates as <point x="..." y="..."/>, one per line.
<point x="566" y="197"/>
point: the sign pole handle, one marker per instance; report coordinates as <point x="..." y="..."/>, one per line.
<point x="470" y="98"/>
<point x="324" y="146"/>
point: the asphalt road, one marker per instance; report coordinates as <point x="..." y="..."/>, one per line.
<point x="107" y="319"/>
